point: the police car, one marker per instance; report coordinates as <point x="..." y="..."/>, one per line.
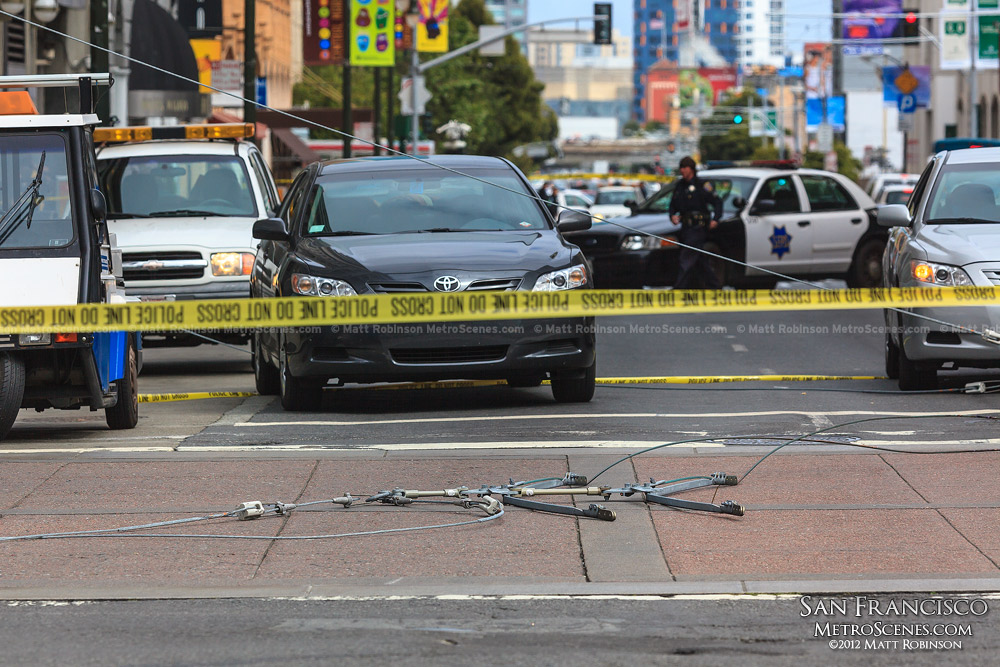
<point x="804" y="223"/>
<point x="55" y="250"/>
<point x="183" y="200"/>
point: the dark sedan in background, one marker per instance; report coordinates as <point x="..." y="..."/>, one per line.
<point x="395" y="224"/>
<point x="804" y="223"/>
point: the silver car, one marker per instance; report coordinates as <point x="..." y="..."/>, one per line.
<point x="948" y="235"/>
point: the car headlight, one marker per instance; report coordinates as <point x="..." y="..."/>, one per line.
<point x="645" y="242"/>
<point x="232" y="263"/>
<point x="316" y="286"/>
<point x="943" y="275"/>
<point x="571" y="278"/>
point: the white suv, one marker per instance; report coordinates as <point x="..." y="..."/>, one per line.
<point x="183" y="210"/>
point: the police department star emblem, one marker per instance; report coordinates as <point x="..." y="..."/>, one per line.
<point x="780" y="241"/>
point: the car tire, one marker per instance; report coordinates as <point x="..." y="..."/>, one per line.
<point x="891" y="357"/>
<point x="575" y="388"/>
<point x="11" y="390"/>
<point x="265" y="375"/>
<point x="913" y="377"/>
<point x="297" y="394"/>
<point x="866" y="267"/>
<point x="125" y="413"/>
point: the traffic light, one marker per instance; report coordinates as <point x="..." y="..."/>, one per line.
<point x="911" y="26"/>
<point x="737" y="119"/>
<point x="602" y="27"/>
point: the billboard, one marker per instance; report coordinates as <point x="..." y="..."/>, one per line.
<point x="817" y="70"/>
<point x="870" y="21"/>
<point x="834" y="113"/>
<point x="432" y="29"/>
<point x="373" y="39"/>
<point x="668" y="87"/>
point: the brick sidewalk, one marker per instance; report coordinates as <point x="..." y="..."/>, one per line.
<point x="825" y="522"/>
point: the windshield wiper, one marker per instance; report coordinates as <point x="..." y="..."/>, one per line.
<point x="938" y="221"/>
<point x="348" y="232"/>
<point x="119" y="216"/>
<point x="17" y="214"/>
<point x="183" y="213"/>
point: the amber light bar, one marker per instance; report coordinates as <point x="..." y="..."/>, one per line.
<point x="203" y="131"/>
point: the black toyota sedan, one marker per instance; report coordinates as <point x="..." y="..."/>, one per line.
<point x="395" y="224"/>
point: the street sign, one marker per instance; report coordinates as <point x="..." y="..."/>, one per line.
<point x="907" y="104"/>
<point x="824" y="138"/>
<point x="904" y="122"/>
<point x="262" y="90"/>
<point x="228" y="75"/>
<point x="497" y="48"/>
<point x="406" y="96"/>
<point x="763" y="123"/>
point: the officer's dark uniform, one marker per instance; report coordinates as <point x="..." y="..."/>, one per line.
<point x="697" y="204"/>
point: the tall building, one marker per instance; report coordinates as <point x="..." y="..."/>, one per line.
<point x="761" y="36"/>
<point x="510" y="14"/>
<point x="684" y="33"/>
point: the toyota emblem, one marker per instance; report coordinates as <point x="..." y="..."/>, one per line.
<point x="447" y="284"/>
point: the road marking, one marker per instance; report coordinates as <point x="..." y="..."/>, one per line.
<point x="739" y="347"/>
<point x="86" y="450"/>
<point x="820" y="421"/>
<point x="633" y="415"/>
<point x="431" y="446"/>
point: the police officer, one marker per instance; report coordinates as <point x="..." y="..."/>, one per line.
<point x="697" y="209"/>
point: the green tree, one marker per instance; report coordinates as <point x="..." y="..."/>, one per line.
<point x="847" y="164"/>
<point x="722" y="139"/>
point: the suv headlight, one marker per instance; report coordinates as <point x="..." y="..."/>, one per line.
<point x="316" y="286"/>
<point x="232" y="263"/>
<point x="646" y="242"/>
<point x="571" y="278"/>
<point x="942" y="275"/>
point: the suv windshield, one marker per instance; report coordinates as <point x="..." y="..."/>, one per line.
<point x="420" y="200"/>
<point x="51" y="219"/>
<point x="176" y="186"/>
<point x="618" y="197"/>
<point x="965" y="193"/>
<point x="728" y="188"/>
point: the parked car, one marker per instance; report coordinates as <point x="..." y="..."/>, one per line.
<point x="610" y="201"/>
<point x="391" y="225"/>
<point x="885" y="180"/>
<point x="948" y="235"/>
<point x="183" y="200"/>
<point x="804" y="223"/>
<point x="895" y="194"/>
<point x="574" y="199"/>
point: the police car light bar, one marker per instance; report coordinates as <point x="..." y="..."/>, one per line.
<point x="202" y="131"/>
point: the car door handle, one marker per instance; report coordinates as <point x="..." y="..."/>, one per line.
<point x="855" y="221"/>
<point x="803" y="223"/>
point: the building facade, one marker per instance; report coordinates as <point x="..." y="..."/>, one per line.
<point x="761" y="36"/>
<point x="509" y="14"/>
<point x="684" y="33"/>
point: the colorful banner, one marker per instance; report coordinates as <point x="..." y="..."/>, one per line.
<point x="206" y="52"/>
<point x="897" y="81"/>
<point x="668" y="87"/>
<point x="373" y="26"/>
<point x="432" y="30"/>
<point x="323" y="32"/>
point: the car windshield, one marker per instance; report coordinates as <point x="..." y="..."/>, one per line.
<point x="618" y="197"/>
<point x="965" y="193"/>
<point x="728" y="188"/>
<point x="176" y="185"/>
<point x="421" y="200"/>
<point x="51" y="219"/>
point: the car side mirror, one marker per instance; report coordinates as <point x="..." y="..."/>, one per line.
<point x="573" y="221"/>
<point x="98" y="206"/>
<point x="764" y="206"/>
<point x="739" y="203"/>
<point x="270" y="229"/>
<point x="893" y="215"/>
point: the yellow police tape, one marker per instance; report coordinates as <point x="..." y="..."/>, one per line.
<point x="231" y="314"/>
<point x="463" y="384"/>
<point x="660" y="178"/>
<point x="193" y="396"/>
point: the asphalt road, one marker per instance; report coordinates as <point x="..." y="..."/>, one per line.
<point x="503" y="630"/>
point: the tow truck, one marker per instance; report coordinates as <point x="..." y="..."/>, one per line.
<point x="55" y="250"/>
